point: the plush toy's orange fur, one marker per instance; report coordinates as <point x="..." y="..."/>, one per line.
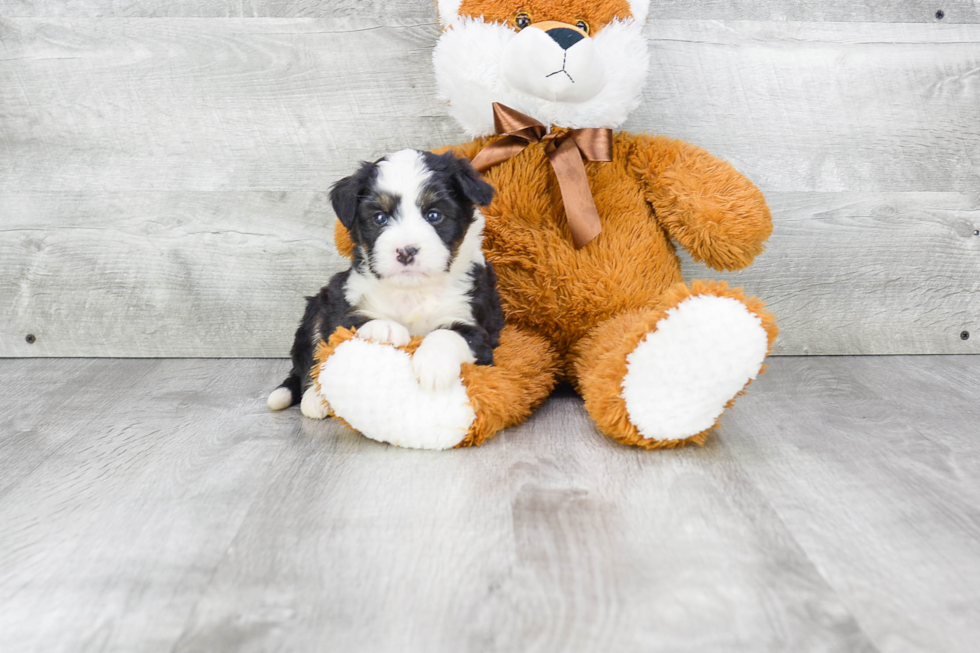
<point x="525" y="366"/>
<point x="577" y="314"/>
<point x="595" y="304"/>
<point x="597" y="13"/>
<point x="600" y="360"/>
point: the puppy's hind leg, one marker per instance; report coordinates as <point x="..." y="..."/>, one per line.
<point x="285" y="395"/>
<point x="307" y="335"/>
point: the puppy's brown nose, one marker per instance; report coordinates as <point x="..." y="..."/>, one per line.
<point x="406" y="255"/>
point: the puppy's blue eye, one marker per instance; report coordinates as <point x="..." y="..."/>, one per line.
<point x="380" y="219"/>
<point x="433" y="217"/>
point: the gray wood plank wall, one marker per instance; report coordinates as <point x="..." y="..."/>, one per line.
<point x="885" y="11"/>
<point x="163" y="165"/>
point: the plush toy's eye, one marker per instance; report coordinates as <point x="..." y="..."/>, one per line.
<point x="380" y="219"/>
<point x="433" y="217"/>
<point x="522" y="20"/>
<point x="583" y="25"/>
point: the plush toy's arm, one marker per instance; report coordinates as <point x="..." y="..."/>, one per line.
<point x="469" y="150"/>
<point x="706" y="205"/>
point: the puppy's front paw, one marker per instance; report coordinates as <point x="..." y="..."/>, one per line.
<point x="436" y="369"/>
<point x="437" y="360"/>
<point x="313" y="405"/>
<point x="387" y="332"/>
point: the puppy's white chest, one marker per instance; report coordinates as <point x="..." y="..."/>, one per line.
<point x="420" y="310"/>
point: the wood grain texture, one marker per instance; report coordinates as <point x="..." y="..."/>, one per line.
<point x="417" y="10"/>
<point x="872" y="11"/>
<point x="278" y="104"/>
<point x="184" y="516"/>
<point x="881" y="11"/>
<point x="873" y="464"/>
<point x="163" y="180"/>
<point x="161" y="274"/>
<point x="210" y="104"/>
<point x="130" y="479"/>
<point x="224" y="274"/>
<point x="158" y="506"/>
<point x="869" y="273"/>
<point x="843" y="107"/>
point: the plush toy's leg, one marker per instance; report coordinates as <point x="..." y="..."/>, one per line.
<point x="373" y="388"/>
<point x="662" y="377"/>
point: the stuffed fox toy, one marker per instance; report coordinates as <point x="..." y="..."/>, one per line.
<point x="582" y="235"/>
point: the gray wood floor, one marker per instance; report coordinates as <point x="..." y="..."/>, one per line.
<point x="150" y="505"/>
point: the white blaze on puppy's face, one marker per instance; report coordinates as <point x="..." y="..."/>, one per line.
<point x="408" y="250"/>
<point x="414" y="264"/>
<point x="555" y="70"/>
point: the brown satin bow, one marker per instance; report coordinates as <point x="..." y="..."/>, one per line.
<point x="566" y="152"/>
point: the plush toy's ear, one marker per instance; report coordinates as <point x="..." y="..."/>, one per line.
<point x="449" y="11"/>
<point x="639" y="9"/>
<point x="346" y="193"/>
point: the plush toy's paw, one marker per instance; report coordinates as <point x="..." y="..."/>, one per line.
<point x="438" y="359"/>
<point x="374" y="389"/>
<point x="683" y="374"/>
<point x="386" y="332"/>
<point x="313" y="405"/>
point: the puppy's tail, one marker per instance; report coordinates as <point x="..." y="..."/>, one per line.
<point x="287" y="394"/>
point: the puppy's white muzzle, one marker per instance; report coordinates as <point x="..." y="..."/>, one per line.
<point x="410" y="251"/>
<point x="555" y="62"/>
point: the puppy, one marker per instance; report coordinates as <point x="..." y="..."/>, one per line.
<point x="418" y="270"/>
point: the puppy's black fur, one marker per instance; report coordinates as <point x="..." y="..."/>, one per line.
<point x="455" y="189"/>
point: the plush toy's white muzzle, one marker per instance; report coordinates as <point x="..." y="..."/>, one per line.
<point x="555" y="62"/>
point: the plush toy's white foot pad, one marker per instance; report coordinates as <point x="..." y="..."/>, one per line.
<point x="681" y="375"/>
<point x="374" y="389"/>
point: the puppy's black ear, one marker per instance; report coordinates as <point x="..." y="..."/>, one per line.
<point x="471" y="183"/>
<point x="464" y="177"/>
<point x="346" y="194"/>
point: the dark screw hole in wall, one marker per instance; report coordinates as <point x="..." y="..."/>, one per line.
<point x="31" y="338"/>
<point x="940" y="14"/>
<point x="976" y="232"/>
<point x="965" y="335"/>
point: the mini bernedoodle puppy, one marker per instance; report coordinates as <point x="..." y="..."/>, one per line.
<point x="418" y="270"/>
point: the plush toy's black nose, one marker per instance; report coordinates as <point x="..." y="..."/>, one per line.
<point x="564" y="37"/>
<point x="406" y="255"/>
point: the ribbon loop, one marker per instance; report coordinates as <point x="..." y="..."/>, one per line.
<point x="567" y="153"/>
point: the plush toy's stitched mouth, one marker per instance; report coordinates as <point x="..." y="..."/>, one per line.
<point x="563" y="62"/>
